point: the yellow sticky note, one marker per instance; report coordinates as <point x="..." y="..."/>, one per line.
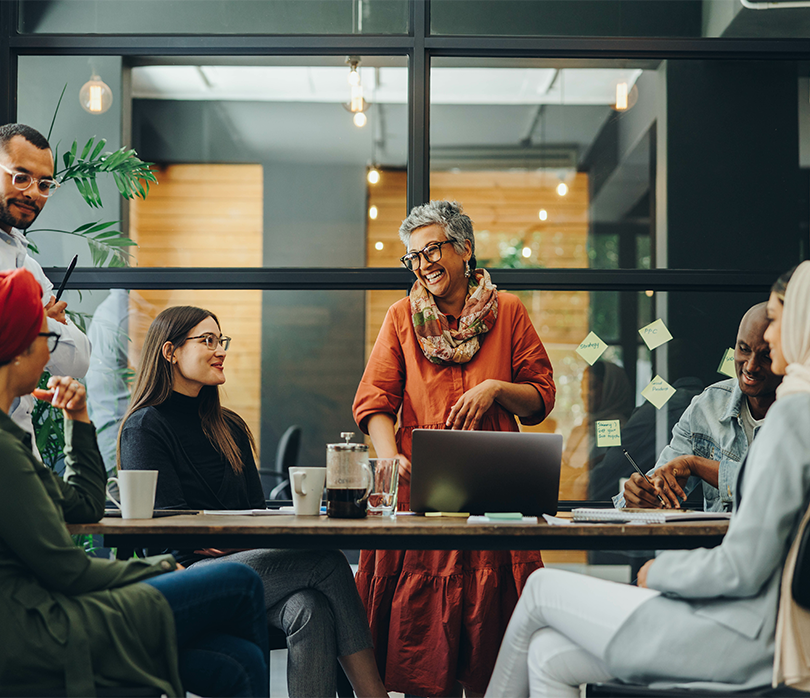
<point x="655" y="334"/>
<point x="726" y="366"/>
<point x="591" y="348"/>
<point x="609" y="433"/>
<point x="658" y="392"/>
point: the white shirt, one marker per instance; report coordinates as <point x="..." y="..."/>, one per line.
<point x="72" y="355"/>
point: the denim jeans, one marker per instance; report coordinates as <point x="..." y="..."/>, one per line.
<point x="219" y="614"/>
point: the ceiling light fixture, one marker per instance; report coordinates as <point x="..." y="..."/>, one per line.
<point x="562" y="189"/>
<point x="373" y="175"/>
<point x="372" y="213"/>
<point x="543" y="214"/>
<point x="357" y="103"/>
<point x="626" y="96"/>
<point x="96" y="97"/>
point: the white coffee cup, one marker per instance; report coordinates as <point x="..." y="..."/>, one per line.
<point x="137" y="491"/>
<point x="307" y="489"/>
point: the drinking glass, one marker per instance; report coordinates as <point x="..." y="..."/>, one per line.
<point x="382" y="501"/>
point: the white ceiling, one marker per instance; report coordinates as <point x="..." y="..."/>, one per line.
<point x="385" y="85"/>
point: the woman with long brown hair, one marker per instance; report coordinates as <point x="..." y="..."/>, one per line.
<point x="204" y="454"/>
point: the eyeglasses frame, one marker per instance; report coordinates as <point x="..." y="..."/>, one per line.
<point x="56" y="339"/>
<point x="222" y="339"/>
<point x="420" y="254"/>
<point x="34" y="180"/>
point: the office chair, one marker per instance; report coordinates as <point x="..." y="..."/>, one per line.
<point x="276" y="482"/>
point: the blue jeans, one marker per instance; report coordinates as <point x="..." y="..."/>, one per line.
<point x="219" y="614"/>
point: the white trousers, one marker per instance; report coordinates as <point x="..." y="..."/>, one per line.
<point x="559" y="632"/>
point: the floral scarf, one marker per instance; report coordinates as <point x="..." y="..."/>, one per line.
<point x="439" y="343"/>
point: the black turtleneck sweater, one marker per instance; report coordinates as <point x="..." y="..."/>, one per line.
<point x="192" y="474"/>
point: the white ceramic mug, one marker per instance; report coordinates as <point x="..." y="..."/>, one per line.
<point x="137" y="491"/>
<point x="307" y="489"/>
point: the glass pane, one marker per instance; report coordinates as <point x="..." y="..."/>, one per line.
<point x="616" y="18"/>
<point x="206" y="17"/>
<point x="565" y="18"/>
<point x="297" y="163"/>
<point x="619" y="164"/>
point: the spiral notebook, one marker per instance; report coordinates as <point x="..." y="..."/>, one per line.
<point x="645" y="515"/>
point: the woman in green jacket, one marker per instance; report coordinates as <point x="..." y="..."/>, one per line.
<point x="71" y="622"/>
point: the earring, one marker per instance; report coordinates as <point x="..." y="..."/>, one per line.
<point x="467" y="271"/>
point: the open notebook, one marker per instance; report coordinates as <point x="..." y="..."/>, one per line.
<point x="645" y="515"/>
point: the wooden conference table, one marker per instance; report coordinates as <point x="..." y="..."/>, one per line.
<point x="399" y="533"/>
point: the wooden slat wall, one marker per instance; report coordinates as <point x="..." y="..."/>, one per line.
<point x="207" y="216"/>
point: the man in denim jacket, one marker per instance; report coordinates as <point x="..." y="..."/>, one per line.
<point x="713" y="435"/>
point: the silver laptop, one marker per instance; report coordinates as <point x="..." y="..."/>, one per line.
<point x="483" y="471"/>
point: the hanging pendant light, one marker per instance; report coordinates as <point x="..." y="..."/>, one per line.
<point x="96" y="97"/>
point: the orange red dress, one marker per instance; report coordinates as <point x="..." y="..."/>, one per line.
<point x="438" y="617"/>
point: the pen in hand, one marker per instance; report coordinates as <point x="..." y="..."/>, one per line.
<point x="65" y="278"/>
<point x="641" y="472"/>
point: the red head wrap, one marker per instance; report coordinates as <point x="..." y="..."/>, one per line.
<point x="21" y="312"/>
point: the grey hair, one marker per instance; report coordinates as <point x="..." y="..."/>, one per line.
<point x="449" y="216"/>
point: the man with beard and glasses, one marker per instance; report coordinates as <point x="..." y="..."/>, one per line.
<point x="714" y="433"/>
<point x="26" y="182"/>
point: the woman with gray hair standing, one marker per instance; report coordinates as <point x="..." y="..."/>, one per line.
<point x="455" y="354"/>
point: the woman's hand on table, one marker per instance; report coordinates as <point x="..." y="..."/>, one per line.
<point x="404" y="469"/>
<point x="466" y="414"/>
<point x="66" y="394"/>
<point x="642" y="574"/>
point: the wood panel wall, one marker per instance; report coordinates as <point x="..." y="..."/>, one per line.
<point x="207" y="216"/>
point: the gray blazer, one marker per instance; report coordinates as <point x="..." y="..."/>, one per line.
<point x="716" y="618"/>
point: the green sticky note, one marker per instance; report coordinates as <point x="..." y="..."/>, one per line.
<point x="592" y="348"/>
<point x="655" y="334"/>
<point x="609" y="433"/>
<point x="658" y="392"/>
<point x="726" y="366"/>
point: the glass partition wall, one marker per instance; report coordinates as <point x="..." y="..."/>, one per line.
<point x="611" y="183"/>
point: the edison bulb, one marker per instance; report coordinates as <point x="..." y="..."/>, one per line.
<point x="360" y="119"/>
<point x="562" y="188"/>
<point x="372" y="213"/>
<point x="543" y="215"/>
<point x="378" y="246"/>
<point x="373" y="175"/>
<point x="95" y="96"/>
<point x="527" y="252"/>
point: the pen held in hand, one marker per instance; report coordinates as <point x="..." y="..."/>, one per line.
<point x="641" y="472"/>
<point x="69" y="271"/>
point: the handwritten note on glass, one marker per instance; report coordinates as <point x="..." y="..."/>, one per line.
<point x="658" y="392"/>
<point x="609" y="433"/>
<point x="726" y="366"/>
<point x="655" y="334"/>
<point x="591" y="348"/>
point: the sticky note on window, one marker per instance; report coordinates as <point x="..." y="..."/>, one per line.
<point x="658" y="392"/>
<point x="726" y="366"/>
<point x="591" y="348"/>
<point x="655" y="334"/>
<point x="609" y="433"/>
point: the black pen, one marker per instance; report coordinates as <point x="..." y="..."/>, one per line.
<point x="641" y="472"/>
<point x="69" y="271"/>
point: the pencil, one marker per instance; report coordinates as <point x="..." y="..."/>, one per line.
<point x="641" y="472"/>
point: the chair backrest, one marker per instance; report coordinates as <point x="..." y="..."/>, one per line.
<point x="287" y="454"/>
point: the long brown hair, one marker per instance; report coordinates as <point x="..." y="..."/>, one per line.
<point x="155" y="378"/>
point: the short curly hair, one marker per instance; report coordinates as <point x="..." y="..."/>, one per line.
<point x="449" y="216"/>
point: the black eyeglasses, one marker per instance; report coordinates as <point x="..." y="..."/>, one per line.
<point x="211" y="341"/>
<point x="23" y="180"/>
<point x="432" y="252"/>
<point x="53" y="340"/>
